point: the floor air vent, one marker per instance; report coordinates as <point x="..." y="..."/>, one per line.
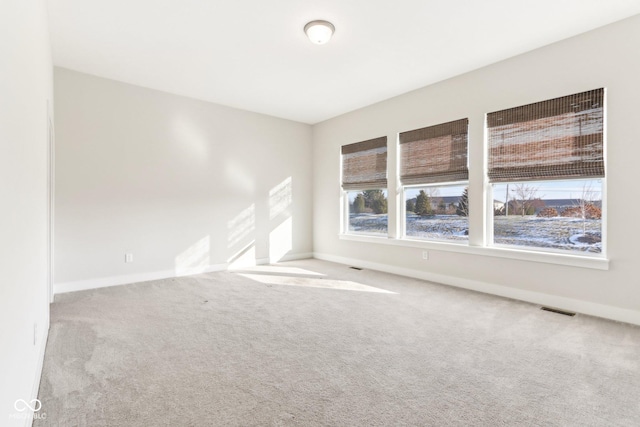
<point x="555" y="310"/>
<point x="355" y="268"/>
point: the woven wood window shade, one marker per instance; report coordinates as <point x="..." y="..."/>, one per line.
<point x="434" y="154"/>
<point x="364" y="164"/>
<point x="555" y="139"/>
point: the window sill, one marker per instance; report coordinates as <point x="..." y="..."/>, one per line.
<point x="498" y="252"/>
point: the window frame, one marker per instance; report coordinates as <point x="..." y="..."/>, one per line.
<point x="488" y="193"/>
<point x="344" y="196"/>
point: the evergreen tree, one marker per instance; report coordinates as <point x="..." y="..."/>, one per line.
<point x="375" y="200"/>
<point x="411" y="205"/>
<point x="370" y="196"/>
<point x="423" y="204"/>
<point x="358" y="204"/>
<point x="463" y="203"/>
<point x="380" y="206"/>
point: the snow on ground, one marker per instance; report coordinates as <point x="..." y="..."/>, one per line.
<point x="438" y="227"/>
<point x="532" y="231"/>
<point x="368" y="223"/>
<point x="554" y="233"/>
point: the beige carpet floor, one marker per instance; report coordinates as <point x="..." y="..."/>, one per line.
<point x="312" y="343"/>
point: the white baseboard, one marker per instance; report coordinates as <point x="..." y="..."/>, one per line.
<point x="569" y="304"/>
<point x="102" y="282"/>
<point x="82" y="285"/>
<point x="293" y="257"/>
<point x="285" y="258"/>
<point x="40" y="365"/>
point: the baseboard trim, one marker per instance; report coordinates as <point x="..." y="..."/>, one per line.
<point x="39" y="367"/>
<point x="103" y="282"/>
<point x="293" y="257"/>
<point x="578" y="306"/>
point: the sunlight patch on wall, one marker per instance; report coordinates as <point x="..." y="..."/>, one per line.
<point x="195" y="259"/>
<point x="280" y="198"/>
<point x="241" y="226"/>
<point x="281" y="240"/>
<point x="308" y="282"/>
<point x="246" y="257"/>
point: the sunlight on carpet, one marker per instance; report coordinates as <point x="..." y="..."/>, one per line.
<point x="344" y="285"/>
<point x="278" y="270"/>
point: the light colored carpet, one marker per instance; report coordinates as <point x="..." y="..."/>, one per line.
<point x="313" y="343"/>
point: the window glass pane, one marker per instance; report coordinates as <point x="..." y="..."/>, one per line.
<point x="437" y="212"/>
<point x="368" y="212"/>
<point x="557" y="215"/>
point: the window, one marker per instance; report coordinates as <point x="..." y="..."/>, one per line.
<point x="437" y="212"/>
<point x="364" y="182"/>
<point x="433" y="172"/>
<point x="368" y="211"/>
<point x="557" y="215"/>
<point x="546" y="169"/>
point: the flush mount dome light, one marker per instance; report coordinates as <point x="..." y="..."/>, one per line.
<point x="319" y="32"/>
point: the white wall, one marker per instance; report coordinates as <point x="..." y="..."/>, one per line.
<point x="184" y="185"/>
<point x="607" y="57"/>
<point x="25" y="87"/>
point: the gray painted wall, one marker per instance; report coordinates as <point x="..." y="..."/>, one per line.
<point x="181" y="184"/>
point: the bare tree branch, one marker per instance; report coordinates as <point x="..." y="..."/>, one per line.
<point x="524" y="195"/>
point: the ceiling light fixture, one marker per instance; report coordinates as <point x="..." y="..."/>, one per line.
<point x="319" y="32"/>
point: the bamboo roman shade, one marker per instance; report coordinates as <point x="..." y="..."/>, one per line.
<point x="364" y="164"/>
<point x="555" y="139"/>
<point x="434" y="154"/>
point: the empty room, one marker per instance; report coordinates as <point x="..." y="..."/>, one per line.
<point x="336" y="213"/>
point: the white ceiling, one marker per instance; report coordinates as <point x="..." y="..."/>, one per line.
<point x="253" y="54"/>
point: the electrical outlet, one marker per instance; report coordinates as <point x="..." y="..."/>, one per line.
<point x="35" y="333"/>
<point x="425" y="255"/>
<point x="128" y="258"/>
